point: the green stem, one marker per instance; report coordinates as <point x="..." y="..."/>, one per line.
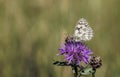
<point x="93" y="74"/>
<point x="75" y="70"/>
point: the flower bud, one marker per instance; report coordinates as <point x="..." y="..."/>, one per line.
<point x="95" y="62"/>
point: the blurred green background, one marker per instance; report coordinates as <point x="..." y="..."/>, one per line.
<point x="31" y="32"/>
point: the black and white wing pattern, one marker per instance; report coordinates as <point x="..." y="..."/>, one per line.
<point x="83" y="32"/>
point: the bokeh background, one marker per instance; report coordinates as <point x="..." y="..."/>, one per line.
<point x="31" y="32"/>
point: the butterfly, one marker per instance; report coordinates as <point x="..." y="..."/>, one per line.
<point x="82" y="31"/>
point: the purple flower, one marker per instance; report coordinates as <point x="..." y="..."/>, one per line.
<point x="75" y="52"/>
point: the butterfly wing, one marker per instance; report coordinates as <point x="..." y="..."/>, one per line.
<point x="83" y="32"/>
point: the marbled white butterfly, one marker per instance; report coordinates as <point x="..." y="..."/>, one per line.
<point x="83" y="32"/>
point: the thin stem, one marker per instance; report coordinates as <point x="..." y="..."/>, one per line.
<point x="80" y="75"/>
<point x="75" y="70"/>
<point x="93" y="74"/>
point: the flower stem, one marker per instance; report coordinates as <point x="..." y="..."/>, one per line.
<point x="75" y="70"/>
<point x="93" y="74"/>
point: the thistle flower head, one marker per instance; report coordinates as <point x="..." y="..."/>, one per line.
<point x="75" y="52"/>
<point x="95" y="62"/>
